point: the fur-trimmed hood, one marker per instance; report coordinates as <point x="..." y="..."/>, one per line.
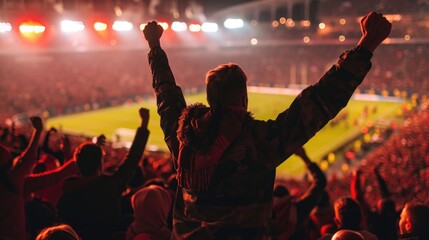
<point x="204" y="134"/>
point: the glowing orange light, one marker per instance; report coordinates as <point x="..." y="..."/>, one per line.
<point x="31" y="30"/>
<point x="100" y="26"/>
<point x="31" y="27"/>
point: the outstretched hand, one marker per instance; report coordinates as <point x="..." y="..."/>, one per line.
<point x="144" y="115"/>
<point x="375" y="29"/>
<point x="37" y="123"/>
<point x="153" y="32"/>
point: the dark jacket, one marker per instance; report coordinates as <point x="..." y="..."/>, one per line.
<point x="238" y="202"/>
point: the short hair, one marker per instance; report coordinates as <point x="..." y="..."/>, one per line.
<point x="347" y="235"/>
<point x="348" y="213"/>
<point x="226" y="85"/>
<point x="88" y="158"/>
<point x="419" y="214"/>
<point x="60" y="232"/>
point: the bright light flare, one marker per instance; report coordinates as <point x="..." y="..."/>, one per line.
<point x="142" y="26"/>
<point x="290" y="23"/>
<point x="195" y="27"/>
<point x="164" y="25"/>
<point x="233" y="23"/>
<point x="253" y="41"/>
<point x="122" y="26"/>
<point x="71" y="26"/>
<point x="100" y="26"/>
<point x="306" y="39"/>
<point x="179" y="26"/>
<point x="305" y="23"/>
<point x="31" y="27"/>
<point x="5" y="27"/>
<point x="209" y="27"/>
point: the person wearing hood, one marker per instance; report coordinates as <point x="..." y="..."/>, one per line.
<point x="151" y="206"/>
<point x="225" y="159"/>
<point x="91" y="203"/>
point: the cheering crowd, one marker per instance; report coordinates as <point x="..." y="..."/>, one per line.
<point x="221" y="180"/>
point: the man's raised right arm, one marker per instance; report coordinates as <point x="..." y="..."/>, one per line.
<point x="170" y="100"/>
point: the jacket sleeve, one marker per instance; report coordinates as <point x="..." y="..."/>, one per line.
<point x="169" y="96"/>
<point x="37" y="182"/>
<point x="314" y="106"/>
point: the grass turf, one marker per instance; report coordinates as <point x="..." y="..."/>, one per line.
<point x="263" y="106"/>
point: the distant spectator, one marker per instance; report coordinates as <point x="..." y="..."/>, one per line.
<point x="91" y="203"/>
<point x="383" y="220"/>
<point x="414" y="222"/>
<point x="348" y="235"/>
<point x="60" y="232"/>
<point x="12" y="178"/>
<point x="151" y="206"/>
<point x="348" y="215"/>
<point x="290" y="213"/>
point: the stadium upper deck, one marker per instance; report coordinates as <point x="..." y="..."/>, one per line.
<point x="41" y="26"/>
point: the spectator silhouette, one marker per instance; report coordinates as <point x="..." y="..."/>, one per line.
<point x="289" y="214"/>
<point x="348" y="215"/>
<point x="347" y="235"/>
<point x="12" y="178"/>
<point x="322" y="218"/>
<point x="91" y="203"/>
<point x="151" y="206"/>
<point x="225" y="159"/>
<point x="382" y="221"/>
<point x="414" y="223"/>
<point x="60" y="232"/>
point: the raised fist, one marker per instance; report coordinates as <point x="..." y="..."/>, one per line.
<point x="375" y="28"/>
<point x="144" y="115"/>
<point x="153" y="32"/>
<point x="37" y="123"/>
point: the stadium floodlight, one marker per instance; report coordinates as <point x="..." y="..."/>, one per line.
<point x="164" y="25"/>
<point x="142" y="26"/>
<point x="5" y="27"/>
<point x="100" y="26"/>
<point x="71" y="26"/>
<point x="233" y="23"/>
<point x="122" y="26"/>
<point x="179" y="26"/>
<point x="195" y="27"/>
<point x="209" y="27"/>
<point x="31" y="27"/>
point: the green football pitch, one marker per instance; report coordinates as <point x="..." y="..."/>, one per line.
<point x="263" y="106"/>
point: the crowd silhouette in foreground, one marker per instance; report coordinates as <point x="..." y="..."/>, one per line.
<point x="221" y="180"/>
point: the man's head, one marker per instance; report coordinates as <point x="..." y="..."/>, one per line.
<point x="89" y="158"/>
<point x="414" y="219"/>
<point x="347" y="235"/>
<point x="226" y="85"/>
<point x="347" y="213"/>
